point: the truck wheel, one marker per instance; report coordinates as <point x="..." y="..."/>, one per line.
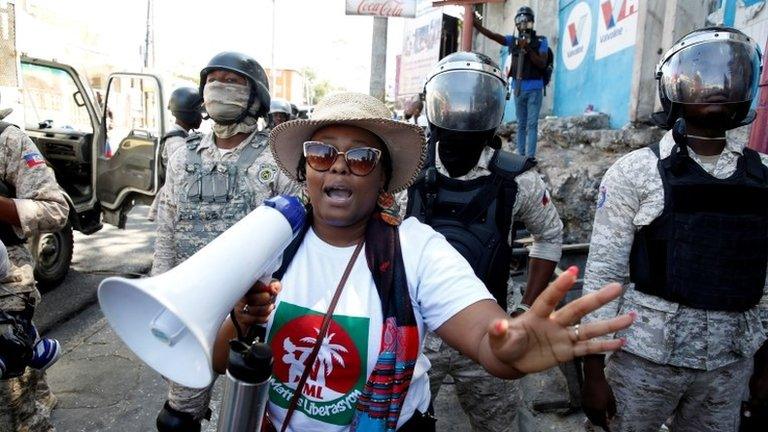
<point x="53" y="255"/>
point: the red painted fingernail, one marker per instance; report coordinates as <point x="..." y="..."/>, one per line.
<point x="500" y="327"/>
<point x="633" y="314"/>
<point x="623" y="341"/>
<point x="573" y="270"/>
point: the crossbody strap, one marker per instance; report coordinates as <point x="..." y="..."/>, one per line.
<point x="319" y="341"/>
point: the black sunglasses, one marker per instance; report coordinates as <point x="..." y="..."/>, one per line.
<point x="360" y="160"/>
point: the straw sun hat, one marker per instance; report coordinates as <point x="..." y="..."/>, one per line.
<point x="405" y="142"/>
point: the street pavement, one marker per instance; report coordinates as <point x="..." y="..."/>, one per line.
<point x="102" y="386"/>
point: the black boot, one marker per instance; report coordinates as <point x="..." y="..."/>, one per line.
<point x="171" y="420"/>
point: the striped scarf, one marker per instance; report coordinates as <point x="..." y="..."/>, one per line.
<point x="378" y="408"/>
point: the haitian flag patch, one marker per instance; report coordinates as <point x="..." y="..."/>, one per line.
<point x="339" y="372"/>
<point x="33" y="159"/>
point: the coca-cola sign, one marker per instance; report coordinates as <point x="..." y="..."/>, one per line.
<point x="382" y="8"/>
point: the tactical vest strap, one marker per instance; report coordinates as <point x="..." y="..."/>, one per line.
<point x="193" y="156"/>
<point x="655" y="148"/>
<point x="504" y="167"/>
<point x="510" y="165"/>
<point x="755" y="167"/>
<point x="4" y="126"/>
<point x="174" y="134"/>
<point x="430" y="191"/>
<point x="193" y="140"/>
<point x="250" y="153"/>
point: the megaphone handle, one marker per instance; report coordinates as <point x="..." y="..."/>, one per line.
<point x="257" y="332"/>
<point x="236" y="325"/>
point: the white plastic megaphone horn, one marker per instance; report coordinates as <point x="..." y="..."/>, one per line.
<point x="171" y="320"/>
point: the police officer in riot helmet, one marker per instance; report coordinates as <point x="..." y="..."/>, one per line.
<point x="471" y="192"/>
<point x="687" y="220"/>
<point x="213" y="181"/>
<point x="280" y="111"/>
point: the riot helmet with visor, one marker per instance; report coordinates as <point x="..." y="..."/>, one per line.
<point x="466" y="92"/>
<point x="712" y="66"/>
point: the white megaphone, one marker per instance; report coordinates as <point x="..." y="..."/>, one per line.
<point x="171" y="320"/>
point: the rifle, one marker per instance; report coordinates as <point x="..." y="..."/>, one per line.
<point x="519" y="70"/>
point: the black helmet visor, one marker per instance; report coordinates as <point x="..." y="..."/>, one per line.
<point x="465" y="100"/>
<point x="711" y="72"/>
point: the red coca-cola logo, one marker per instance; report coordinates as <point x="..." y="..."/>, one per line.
<point x="338" y="364"/>
<point x="393" y="8"/>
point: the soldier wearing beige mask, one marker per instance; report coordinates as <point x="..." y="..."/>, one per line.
<point x="213" y="183"/>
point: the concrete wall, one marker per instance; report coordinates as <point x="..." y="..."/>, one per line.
<point x="622" y="83"/>
<point x="648" y="51"/>
<point x="592" y="68"/>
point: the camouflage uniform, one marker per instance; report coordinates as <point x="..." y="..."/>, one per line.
<point x="42" y="207"/>
<point x="170" y="146"/>
<point x="206" y="192"/>
<point x="669" y="346"/>
<point x="491" y="403"/>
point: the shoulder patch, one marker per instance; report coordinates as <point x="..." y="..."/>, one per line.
<point x="33" y="159"/>
<point x="267" y="173"/>
<point x="510" y="165"/>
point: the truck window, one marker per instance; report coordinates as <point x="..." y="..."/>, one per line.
<point x="132" y="111"/>
<point x="51" y="100"/>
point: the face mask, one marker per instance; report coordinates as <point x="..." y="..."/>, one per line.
<point x="460" y="151"/>
<point x="225" y="102"/>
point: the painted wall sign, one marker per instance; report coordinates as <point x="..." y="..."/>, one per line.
<point x="577" y="35"/>
<point x="421" y="51"/>
<point x="382" y="8"/>
<point x="616" y="26"/>
<point x="581" y="80"/>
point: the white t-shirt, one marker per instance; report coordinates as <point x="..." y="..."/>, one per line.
<point x="441" y="283"/>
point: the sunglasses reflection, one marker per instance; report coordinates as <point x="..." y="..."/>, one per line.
<point x="321" y="156"/>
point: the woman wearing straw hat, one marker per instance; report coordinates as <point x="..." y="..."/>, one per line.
<point x="362" y="287"/>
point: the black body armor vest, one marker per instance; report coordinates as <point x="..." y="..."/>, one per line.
<point x="709" y="247"/>
<point x="475" y="216"/>
<point x="530" y="70"/>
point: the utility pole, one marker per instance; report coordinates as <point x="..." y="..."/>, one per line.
<point x="469" y="17"/>
<point x="379" y="58"/>
<point x="272" y="65"/>
<point x="149" y="38"/>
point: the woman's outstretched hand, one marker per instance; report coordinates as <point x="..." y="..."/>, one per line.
<point x="543" y="337"/>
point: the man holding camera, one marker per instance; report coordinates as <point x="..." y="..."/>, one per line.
<point x="529" y="73"/>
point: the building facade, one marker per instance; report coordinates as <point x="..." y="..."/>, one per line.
<point x="606" y="51"/>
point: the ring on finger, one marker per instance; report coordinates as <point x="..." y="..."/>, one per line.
<point x="576" y="332"/>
